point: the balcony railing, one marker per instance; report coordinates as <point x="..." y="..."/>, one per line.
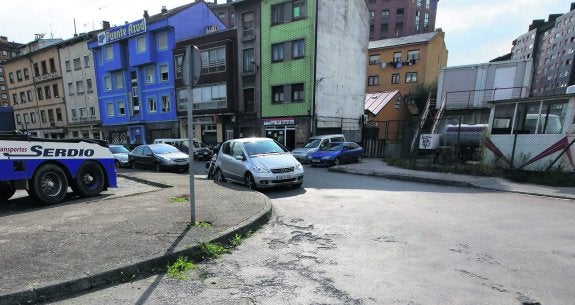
<point x="480" y="98"/>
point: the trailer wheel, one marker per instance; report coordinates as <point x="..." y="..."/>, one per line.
<point x="6" y="191"/>
<point x="49" y="184"/>
<point x="90" y="179"/>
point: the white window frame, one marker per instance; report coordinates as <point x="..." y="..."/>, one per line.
<point x="162" y="41"/>
<point x="152" y="104"/>
<point x="141" y="44"/>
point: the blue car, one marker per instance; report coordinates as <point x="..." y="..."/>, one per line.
<point x="336" y="153"/>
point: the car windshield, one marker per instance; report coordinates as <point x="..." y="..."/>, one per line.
<point x="263" y="147"/>
<point x="332" y="147"/>
<point x="312" y="144"/>
<point x="118" y="149"/>
<point x="164" y="149"/>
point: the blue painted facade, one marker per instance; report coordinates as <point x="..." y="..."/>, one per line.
<point x="135" y="73"/>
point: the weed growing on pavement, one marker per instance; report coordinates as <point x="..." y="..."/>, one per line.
<point x="236" y="240"/>
<point x="203" y="224"/>
<point x="249" y="233"/>
<point x="179" y="199"/>
<point x="126" y="277"/>
<point x="213" y="250"/>
<point x="178" y="269"/>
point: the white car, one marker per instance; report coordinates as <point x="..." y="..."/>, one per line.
<point x="258" y="163"/>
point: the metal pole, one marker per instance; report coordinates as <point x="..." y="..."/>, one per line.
<point x="192" y="197"/>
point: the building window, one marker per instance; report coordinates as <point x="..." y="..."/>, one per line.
<point x="371" y="15"/>
<point x="298" y="49"/>
<point x="411" y="77"/>
<point x="426" y="21"/>
<point x="248" y="24"/>
<point x="26" y="118"/>
<point x="22" y="97"/>
<point x="297" y="92"/>
<point x="110" y="109"/>
<point x="18" y="119"/>
<point x="107" y="83"/>
<point x="73" y="111"/>
<point x="119" y="80"/>
<point x="210" y="97"/>
<point x="152" y="107"/>
<point x="249" y="100"/>
<point x="418" y="3"/>
<point x="374" y="60"/>
<point x="398" y="28"/>
<point x="33" y="117"/>
<point x="412" y="55"/>
<point x="89" y="85"/>
<point x="384" y="27"/>
<point x="395" y="78"/>
<point x="248" y="60"/>
<point x="416" y="22"/>
<point x="150" y="75"/>
<point x="44" y="67"/>
<point x="52" y="65"/>
<point x="121" y="109"/>
<point x="19" y="75"/>
<point x="373" y="80"/>
<point x="398" y="102"/>
<point x="29" y="95"/>
<point x="163" y="41"/>
<point x="399" y="12"/>
<point x="165" y="103"/>
<point x="396" y="56"/>
<point x="86" y="61"/>
<point x="58" y="114"/>
<point x="427" y="4"/>
<point x="164" y="73"/>
<point x="182" y="96"/>
<point x="43" y="116"/>
<point x="384" y="13"/>
<point x="36" y="69"/>
<point x="83" y="113"/>
<point x="277" y="52"/>
<point x="40" y="94"/>
<point x="298" y="11"/>
<point x="67" y="65"/>
<point x="70" y="89"/>
<point x="178" y="62"/>
<point x="26" y="74"/>
<point x="15" y="98"/>
<point x="109" y="52"/>
<point x="47" y="92"/>
<point x="11" y="77"/>
<point x="141" y="44"/>
<point x="80" y="87"/>
<point x="55" y="90"/>
<point x="214" y="60"/>
<point x="77" y="65"/>
<point x="278" y="94"/>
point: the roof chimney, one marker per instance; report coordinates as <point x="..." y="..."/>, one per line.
<point x="4" y="39"/>
<point x="146" y="15"/>
<point x="164" y="10"/>
<point x="105" y="25"/>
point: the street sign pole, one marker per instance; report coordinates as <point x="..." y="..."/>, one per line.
<point x="191" y="68"/>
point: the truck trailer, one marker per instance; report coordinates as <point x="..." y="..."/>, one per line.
<point x="45" y="168"/>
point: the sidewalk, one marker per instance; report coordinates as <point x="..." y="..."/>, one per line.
<point x="49" y="252"/>
<point x="377" y="167"/>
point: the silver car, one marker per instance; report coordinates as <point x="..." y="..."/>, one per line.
<point x="258" y="163"/>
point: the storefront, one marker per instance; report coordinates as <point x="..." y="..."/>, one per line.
<point x="282" y="130"/>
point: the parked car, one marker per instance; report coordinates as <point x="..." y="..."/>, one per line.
<point x="258" y="163"/>
<point x="120" y="153"/>
<point x="203" y="153"/>
<point x="337" y="153"/>
<point x="159" y="157"/>
<point x="313" y="144"/>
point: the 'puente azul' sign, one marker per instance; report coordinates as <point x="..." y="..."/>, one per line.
<point x="121" y="32"/>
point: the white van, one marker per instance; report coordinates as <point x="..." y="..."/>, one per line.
<point x="313" y="145"/>
<point x="181" y="144"/>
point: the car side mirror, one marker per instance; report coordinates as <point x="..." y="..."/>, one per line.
<point x="240" y="157"/>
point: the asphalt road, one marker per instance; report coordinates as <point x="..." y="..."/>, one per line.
<point x="348" y="239"/>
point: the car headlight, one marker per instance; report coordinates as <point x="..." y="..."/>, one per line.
<point x="326" y="158"/>
<point x="258" y="169"/>
<point x="298" y="166"/>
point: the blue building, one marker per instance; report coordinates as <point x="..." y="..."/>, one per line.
<point x="135" y="72"/>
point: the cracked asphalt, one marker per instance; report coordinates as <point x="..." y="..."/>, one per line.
<point x="348" y="239"/>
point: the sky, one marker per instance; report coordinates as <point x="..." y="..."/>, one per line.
<point x="475" y="31"/>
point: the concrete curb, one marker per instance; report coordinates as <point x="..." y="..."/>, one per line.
<point x="135" y="271"/>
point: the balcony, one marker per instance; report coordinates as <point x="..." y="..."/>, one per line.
<point x="479" y="98"/>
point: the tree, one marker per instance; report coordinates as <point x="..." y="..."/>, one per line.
<point x="419" y="93"/>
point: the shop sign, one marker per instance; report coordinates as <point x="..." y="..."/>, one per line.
<point x="279" y="121"/>
<point x="121" y="32"/>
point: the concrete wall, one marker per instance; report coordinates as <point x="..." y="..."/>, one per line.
<point x="340" y="72"/>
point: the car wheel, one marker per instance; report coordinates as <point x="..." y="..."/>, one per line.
<point x="359" y="157"/>
<point x="219" y="176"/>
<point x="90" y="179"/>
<point x="157" y="167"/>
<point x="133" y="164"/>
<point x="49" y="184"/>
<point x="250" y="182"/>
